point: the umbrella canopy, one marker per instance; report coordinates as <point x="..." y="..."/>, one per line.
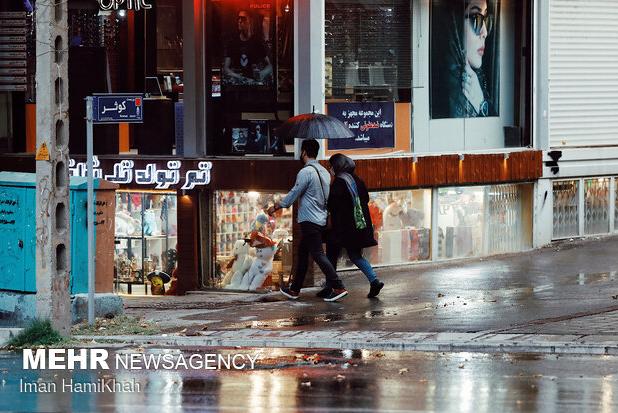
<point x="314" y="126"/>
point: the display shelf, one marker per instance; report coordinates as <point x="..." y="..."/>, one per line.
<point x="137" y="255"/>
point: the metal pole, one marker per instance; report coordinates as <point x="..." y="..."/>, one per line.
<point x="90" y="175"/>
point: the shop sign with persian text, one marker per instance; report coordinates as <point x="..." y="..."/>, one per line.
<point x="171" y="176"/>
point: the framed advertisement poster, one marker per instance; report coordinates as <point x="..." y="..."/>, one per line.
<point x="465" y="59"/>
<point x="247" y="55"/>
<point x="373" y="123"/>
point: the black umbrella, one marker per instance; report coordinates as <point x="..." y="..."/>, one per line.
<point x="314" y="126"/>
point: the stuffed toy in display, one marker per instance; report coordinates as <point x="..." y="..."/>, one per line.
<point x="239" y="265"/>
<point x="265" y="249"/>
<point x="158" y="279"/>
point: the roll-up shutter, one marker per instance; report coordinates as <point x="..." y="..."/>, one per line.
<point x="583" y="73"/>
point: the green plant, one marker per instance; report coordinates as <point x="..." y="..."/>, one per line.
<point x="37" y="333"/>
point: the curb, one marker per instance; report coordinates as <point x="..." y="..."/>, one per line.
<point x="482" y="342"/>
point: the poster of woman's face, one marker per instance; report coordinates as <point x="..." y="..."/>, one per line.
<point x="465" y="60"/>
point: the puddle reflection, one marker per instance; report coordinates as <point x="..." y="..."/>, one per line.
<point x="342" y="380"/>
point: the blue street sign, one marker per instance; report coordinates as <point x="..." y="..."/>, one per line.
<point x="118" y="108"/>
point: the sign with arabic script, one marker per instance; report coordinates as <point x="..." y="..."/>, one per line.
<point x="118" y="108"/>
<point x="125" y="172"/>
<point x="373" y="123"/>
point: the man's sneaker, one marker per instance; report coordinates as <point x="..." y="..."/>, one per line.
<point x="376" y="286"/>
<point x="336" y="294"/>
<point x="324" y="292"/>
<point x="292" y="295"/>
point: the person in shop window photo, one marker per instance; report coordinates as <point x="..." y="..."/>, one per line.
<point x="246" y="60"/>
<point x="464" y="59"/>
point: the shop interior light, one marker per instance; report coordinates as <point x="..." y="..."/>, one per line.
<point x="254" y="195"/>
<point x="122" y="13"/>
<point x="461" y="157"/>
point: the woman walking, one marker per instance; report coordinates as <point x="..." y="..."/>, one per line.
<point x="351" y="226"/>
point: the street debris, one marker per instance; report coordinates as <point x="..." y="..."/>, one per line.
<point x="339" y="377"/>
<point x="401" y="371"/>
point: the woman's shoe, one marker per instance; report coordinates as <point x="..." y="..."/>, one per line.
<point x="375" y="288"/>
<point x="324" y="292"/>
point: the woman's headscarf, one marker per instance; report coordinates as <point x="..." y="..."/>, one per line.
<point x="344" y="168"/>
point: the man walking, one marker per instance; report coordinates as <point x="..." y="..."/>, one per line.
<point x="311" y="188"/>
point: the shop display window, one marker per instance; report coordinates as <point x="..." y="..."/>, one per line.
<point x="238" y="213"/>
<point x="460" y="222"/>
<point x="250" y="75"/>
<point x="402" y="226"/>
<point x="146" y="236"/>
<point x="483" y="220"/>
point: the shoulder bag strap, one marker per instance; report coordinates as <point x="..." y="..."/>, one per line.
<point x="321" y="186"/>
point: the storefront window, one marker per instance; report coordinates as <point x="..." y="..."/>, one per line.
<point x="368" y="50"/>
<point x="127" y="52"/>
<point x="368" y="79"/>
<point x="402" y="225"/>
<point x="566" y="209"/>
<point x="596" y="211"/>
<point x="146" y="238"/>
<point x="245" y="234"/>
<point x="483" y="220"/>
<point x="250" y="74"/>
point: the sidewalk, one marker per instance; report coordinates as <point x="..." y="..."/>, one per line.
<point x="484" y="342"/>
<point x="565" y="294"/>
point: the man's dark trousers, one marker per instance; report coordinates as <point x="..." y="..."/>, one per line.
<point x="311" y="243"/>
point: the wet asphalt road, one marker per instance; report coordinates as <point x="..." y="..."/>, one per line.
<point x="288" y="380"/>
<point x="510" y="292"/>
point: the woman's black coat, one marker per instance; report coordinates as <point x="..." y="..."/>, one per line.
<point x="343" y="229"/>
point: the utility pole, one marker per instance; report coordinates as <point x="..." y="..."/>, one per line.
<point x="53" y="235"/>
